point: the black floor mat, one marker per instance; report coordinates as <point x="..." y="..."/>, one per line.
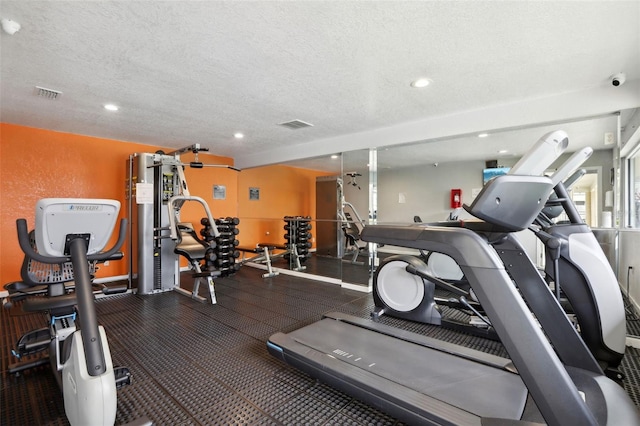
<point x="194" y="363"/>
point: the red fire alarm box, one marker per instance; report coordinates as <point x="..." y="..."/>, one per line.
<point x="456" y="198"/>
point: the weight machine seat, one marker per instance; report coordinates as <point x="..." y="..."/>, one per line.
<point x="188" y="244"/>
<point x="353" y="236"/>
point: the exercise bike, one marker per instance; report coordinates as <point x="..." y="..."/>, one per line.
<point x="69" y="236"/>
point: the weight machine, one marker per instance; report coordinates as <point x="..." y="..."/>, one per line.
<point x="156" y="191"/>
<point x="352" y="222"/>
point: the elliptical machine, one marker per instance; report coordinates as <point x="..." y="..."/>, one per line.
<point x="70" y="235"/>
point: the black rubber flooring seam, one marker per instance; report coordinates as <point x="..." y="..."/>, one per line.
<point x="198" y="364"/>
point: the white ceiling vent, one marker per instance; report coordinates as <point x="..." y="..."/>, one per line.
<point x="295" y="124"/>
<point x="47" y="93"/>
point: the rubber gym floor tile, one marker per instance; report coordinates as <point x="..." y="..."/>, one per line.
<point x="196" y="347"/>
<point x="342" y="420"/>
<point x="329" y="396"/>
<point x="270" y="394"/>
<point x="303" y="409"/>
<point x="117" y="303"/>
<point x="23" y="391"/>
<point x="260" y="331"/>
<point x="243" y="378"/>
<point x="265" y="421"/>
<point x="265" y="362"/>
<point x="366" y="414"/>
<point x="302" y="314"/>
<point x="146" y="399"/>
<point x="235" y="339"/>
<point x="237" y="321"/>
<point x="121" y="357"/>
<point x="183" y="311"/>
<point x="189" y="368"/>
<point x="193" y="388"/>
<point x="223" y="363"/>
<point x="222" y="334"/>
<point x="233" y="410"/>
<point x="158" y="357"/>
<point x="295" y="378"/>
<point x="280" y="321"/>
<point x="257" y="312"/>
<point x="248" y="298"/>
<point x="278" y="307"/>
<point x="360" y="305"/>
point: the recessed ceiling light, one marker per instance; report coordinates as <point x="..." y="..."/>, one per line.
<point x="111" y="107"/>
<point x="334" y="156"/>
<point x="502" y="151"/>
<point x="238" y="135"/>
<point x="421" y="82"/>
<point x="483" y="135"/>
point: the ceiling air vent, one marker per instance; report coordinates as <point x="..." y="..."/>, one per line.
<point x="47" y="93"/>
<point x="295" y="124"/>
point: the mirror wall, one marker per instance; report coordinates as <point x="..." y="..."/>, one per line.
<point x="397" y="183"/>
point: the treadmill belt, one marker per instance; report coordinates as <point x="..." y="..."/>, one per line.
<point x="477" y="388"/>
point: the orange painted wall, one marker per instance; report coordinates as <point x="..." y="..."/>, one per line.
<point x="37" y="163"/>
<point x="284" y="191"/>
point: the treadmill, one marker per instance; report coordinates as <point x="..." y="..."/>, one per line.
<point x="551" y="376"/>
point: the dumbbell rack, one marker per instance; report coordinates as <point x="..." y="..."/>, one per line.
<point x="222" y="254"/>
<point x="297" y="238"/>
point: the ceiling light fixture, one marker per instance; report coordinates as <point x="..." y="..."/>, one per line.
<point x="420" y="83"/>
<point x="334" y="156"/>
<point x="238" y="135"/>
<point x="111" y="107"/>
<point x="502" y="151"/>
<point x="483" y="135"/>
<point x="9" y="26"/>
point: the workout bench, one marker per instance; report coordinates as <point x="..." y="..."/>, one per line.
<point x="266" y="255"/>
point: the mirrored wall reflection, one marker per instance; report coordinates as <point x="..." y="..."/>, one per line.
<point x="429" y="181"/>
<point x="425" y="181"/>
<point x="277" y="209"/>
<point x="311" y="209"/>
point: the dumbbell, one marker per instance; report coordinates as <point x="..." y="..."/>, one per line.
<point x="210" y="254"/>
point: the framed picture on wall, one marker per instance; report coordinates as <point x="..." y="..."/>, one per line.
<point x="254" y="194"/>
<point x="219" y="192"/>
<point x="488" y="174"/>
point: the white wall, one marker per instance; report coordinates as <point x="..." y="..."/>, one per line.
<point x="426" y="190"/>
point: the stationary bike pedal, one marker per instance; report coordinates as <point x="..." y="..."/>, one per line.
<point x="123" y="376"/>
<point x="32" y="342"/>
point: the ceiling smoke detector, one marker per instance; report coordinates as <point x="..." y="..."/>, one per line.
<point x="47" y="93"/>
<point x="295" y="124"/>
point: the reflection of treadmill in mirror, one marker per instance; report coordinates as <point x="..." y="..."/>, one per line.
<point x="425" y="381"/>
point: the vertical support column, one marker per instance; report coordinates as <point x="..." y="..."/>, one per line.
<point x="158" y="265"/>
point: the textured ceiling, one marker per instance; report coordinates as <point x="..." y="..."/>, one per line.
<point x="188" y="72"/>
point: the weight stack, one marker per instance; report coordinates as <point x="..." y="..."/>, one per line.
<point x="223" y="253"/>
<point x="299" y="234"/>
